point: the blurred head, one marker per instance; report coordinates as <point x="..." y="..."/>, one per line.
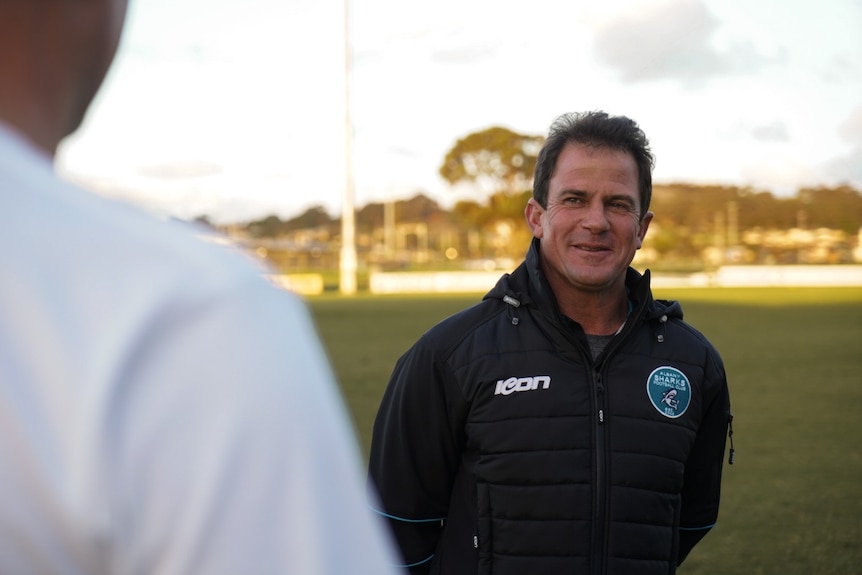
<point x="99" y="36"/>
<point x="595" y="130"/>
<point x="56" y="54"/>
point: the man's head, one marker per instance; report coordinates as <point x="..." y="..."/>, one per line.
<point x="590" y="202"/>
<point x="55" y="56"/>
<point x="595" y="130"/>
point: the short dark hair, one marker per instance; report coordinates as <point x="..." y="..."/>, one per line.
<point x="600" y="130"/>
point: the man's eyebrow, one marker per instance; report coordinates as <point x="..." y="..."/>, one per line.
<point x="621" y="198"/>
<point x="573" y="192"/>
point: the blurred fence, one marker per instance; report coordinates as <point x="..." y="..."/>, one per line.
<point x="726" y="276"/>
<point x="482" y="281"/>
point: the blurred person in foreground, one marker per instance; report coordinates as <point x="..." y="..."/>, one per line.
<point x="569" y="423"/>
<point x="163" y="409"/>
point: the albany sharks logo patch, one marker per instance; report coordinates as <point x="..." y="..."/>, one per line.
<point x="669" y="391"/>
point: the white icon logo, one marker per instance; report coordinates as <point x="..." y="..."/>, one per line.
<point x="513" y="384"/>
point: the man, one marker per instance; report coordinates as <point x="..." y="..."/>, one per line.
<point x="163" y="409"/>
<point x="569" y="423"/>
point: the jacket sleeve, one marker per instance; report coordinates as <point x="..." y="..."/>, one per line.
<point x="415" y="452"/>
<point x="702" y="481"/>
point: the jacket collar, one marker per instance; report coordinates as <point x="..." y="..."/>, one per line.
<point x="528" y="284"/>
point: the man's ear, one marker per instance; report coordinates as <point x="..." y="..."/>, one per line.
<point x="643" y="226"/>
<point x="533" y="213"/>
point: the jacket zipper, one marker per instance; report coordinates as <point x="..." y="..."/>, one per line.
<point x="600" y="525"/>
<point x="601" y="463"/>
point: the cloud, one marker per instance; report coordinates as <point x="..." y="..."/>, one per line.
<point x="780" y="173"/>
<point x="851" y="128"/>
<point x="469" y="54"/>
<point x="180" y="170"/>
<point x="848" y="168"/>
<point x="773" y="132"/>
<point x="838" y="69"/>
<point x="845" y="170"/>
<point x="670" y="40"/>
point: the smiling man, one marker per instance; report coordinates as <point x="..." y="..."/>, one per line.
<point x="569" y="423"/>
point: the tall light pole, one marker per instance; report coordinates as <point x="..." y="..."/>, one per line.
<point x="347" y="281"/>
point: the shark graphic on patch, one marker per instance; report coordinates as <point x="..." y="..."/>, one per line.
<point x="669" y="391"/>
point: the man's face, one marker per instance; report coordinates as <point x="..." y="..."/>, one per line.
<point x="591" y="227"/>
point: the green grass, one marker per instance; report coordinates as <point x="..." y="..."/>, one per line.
<point x="366" y="335"/>
<point x="792" y="502"/>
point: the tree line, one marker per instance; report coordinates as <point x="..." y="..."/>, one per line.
<point x="498" y="163"/>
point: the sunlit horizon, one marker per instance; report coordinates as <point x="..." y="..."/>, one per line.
<point x="236" y="112"/>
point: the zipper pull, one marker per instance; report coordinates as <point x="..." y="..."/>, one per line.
<point x="732" y="454"/>
<point x="475" y="541"/>
<point x="600" y="390"/>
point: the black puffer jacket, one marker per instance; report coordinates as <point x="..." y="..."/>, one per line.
<point x="502" y="448"/>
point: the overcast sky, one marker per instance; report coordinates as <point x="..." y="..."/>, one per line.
<point x="237" y="109"/>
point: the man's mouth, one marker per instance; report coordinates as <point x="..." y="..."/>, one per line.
<point x="591" y="247"/>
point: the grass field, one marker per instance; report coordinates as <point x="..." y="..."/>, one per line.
<point x="792" y="502"/>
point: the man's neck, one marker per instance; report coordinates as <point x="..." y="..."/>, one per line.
<point x="598" y="313"/>
<point x="596" y="322"/>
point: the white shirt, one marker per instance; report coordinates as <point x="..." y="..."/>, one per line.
<point x="163" y="409"/>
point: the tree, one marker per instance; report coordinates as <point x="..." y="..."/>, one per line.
<point x="496" y="159"/>
<point x="268" y="227"/>
<point x="838" y="207"/>
<point x="313" y="217"/>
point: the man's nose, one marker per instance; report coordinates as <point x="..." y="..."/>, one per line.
<point x="595" y="218"/>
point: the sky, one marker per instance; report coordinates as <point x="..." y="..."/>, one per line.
<point x="239" y="110"/>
